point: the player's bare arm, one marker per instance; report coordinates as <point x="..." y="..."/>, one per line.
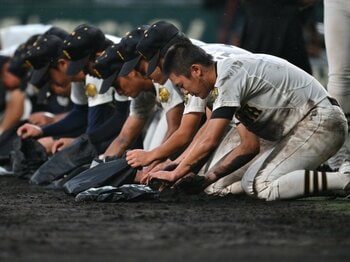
<point x="208" y="142"/>
<point x="173" y="118"/>
<point x="14" y="109"/>
<point x="131" y="130"/>
<point x="29" y="130"/>
<point x="180" y="138"/>
<point x="248" y="148"/>
<point x="61" y="143"/>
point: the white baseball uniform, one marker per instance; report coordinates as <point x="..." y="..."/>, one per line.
<point x="280" y="102"/>
<point x="231" y="138"/>
<point x="151" y="105"/>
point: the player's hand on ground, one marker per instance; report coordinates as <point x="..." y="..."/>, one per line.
<point x="111" y="151"/>
<point x="61" y="143"/>
<point x="191" y="183"/>
<point x="166" y="165"/>
<point x="41" y="118"/>
<point x="142" y="176"/>
<point x="47" y="142"/>
<point x="29" y="130"/>
<point x="138" y="157"/>
<point x="164" y="176"/>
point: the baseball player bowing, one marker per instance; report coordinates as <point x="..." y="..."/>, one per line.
<point x="158" y="116"/>
<point x="153" y="46"/>
<point x="273" y="100"/>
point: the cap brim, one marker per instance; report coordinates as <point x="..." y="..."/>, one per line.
<point x="74" y="67"/>
<point x="42" y="94"/>
<point x="129" y="66"/>
<point x="152" y="64"/>
<point x="107" y="83"/>
<point x="38" y="75"/>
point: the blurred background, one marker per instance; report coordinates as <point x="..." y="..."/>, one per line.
<point x="207" y="20"/>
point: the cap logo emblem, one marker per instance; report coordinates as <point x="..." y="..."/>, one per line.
<point x="120" y="55"/>
<point x="28" y="63"/>
<point x="97" y="73"/>
<point x="213" y="94"/>
<point x="216" y="91"/>
<point x="163" y="94"/>
<point x="185" y="98"/>
<point x="90" y="90"/>
<point x="142" y="55"/>
<point x="67" y="54"/>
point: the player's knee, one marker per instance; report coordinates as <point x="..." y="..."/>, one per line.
<point x="269" y="191"/>
<point x="262" y="190"/>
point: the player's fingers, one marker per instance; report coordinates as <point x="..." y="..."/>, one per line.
<point x="56" y="146"/>
<point x="130" y="163"/>
<point x="20" y="131"/>
<point x="144" y="179"/>
<point x="24" y="133"/>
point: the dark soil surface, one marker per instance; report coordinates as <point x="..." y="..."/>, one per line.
<point x="37" y="224"/>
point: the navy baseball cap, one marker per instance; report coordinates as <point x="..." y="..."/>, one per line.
<point x="108" y="65"/>
<point x="81" y="45"/>
<point x="156" y="41"/>
<point x="57" y="31"/>
<point x="130" y="54"/>
<point x="17" y="65"/>
<point x="45" y="52"/>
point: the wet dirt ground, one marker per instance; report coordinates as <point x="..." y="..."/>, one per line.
<point x="37" y="224"/>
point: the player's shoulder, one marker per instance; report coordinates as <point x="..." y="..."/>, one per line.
<point x="214" y="48"/>
<point x="113" y="38"/>
<point x="197" y="42"/>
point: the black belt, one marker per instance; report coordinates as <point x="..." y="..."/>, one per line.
<point x="333" y="101"/>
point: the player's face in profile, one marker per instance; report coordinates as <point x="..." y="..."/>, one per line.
<point x="132" y="84"/>
<point x="9" y="80"/>
<point x="157" y="76"/>
<point x="184" y="84"/>
<point x="58" y="75"/>
<point x="60" y="90"/>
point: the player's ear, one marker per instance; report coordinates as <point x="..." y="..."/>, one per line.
<point x="133" y="73"/>
<point x="62" y="64"/>
<point x="196" y="70"/>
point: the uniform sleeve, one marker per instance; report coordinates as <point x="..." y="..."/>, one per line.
<point x="143" y="105"/>
<point x="77" y="94"/>
<point x="168" y="95"/>
<point x="92" y="89"/>
<point x="229" y="85"/>
<point x="114" y="39"/>
<point x="73" y="123"/>
<point x="194" y="104"/>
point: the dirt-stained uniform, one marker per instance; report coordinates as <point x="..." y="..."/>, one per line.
<point x="279" y="102"/>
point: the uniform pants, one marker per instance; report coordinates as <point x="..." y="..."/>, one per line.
<point x="316" y="138"/>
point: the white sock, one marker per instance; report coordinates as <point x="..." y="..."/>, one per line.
<point x="302" y="183"/>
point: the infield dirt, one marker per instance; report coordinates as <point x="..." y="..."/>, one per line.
<point x="37" y="224"/>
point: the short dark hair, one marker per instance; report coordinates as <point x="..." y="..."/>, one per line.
<point x="180" y="57"/>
